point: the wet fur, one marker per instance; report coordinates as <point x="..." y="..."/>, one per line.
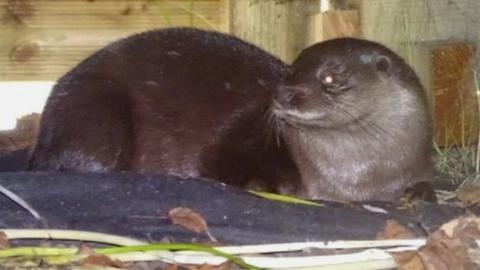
<point x="178" y="101"/>
<point x="367" y="135"/>
<point x="199" y="104"/>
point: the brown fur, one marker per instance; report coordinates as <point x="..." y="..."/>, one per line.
<point x="177" y="101"/>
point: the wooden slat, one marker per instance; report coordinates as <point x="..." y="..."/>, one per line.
<point x="42" y="39"/>
<point x="276" y="26"/>
<point x="456" y="107"/>
<point x="333" y="24"/>
<point x="114" y="14"/>
<point x="224" y="16"/>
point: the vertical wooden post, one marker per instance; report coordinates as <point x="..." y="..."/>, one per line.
<point x="455" y="103"/>
<point x="278" y="26"/>
<point x="224" y="24"/>
<point x="333" y="24"/>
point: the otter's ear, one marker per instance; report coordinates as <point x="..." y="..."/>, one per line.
<point x="383" y="64"/>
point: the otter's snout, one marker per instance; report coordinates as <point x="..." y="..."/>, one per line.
<point x="291" y="95"/>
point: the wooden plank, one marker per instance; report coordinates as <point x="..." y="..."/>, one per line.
<point x="48" y="14"/>
<point x="269" y="24"/>
<point x="42" y="39"/>
<point x="455" y="102"/>
<point x="333" y="24"/>
<point x="224" y="16"/>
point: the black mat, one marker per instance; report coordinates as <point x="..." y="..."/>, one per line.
<point x="137" y="206"/>
<point x="14" y="161"/>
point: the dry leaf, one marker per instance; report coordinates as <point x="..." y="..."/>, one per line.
<point x="223" y="266"/>
<point x="449" y="248"/>
<point x="24" y="134"/>
<point x="4" y="243"/>
<point x="101" y="260"/>
<point x="444" y="253"/>
<point x="188" y="219"/>
<point x="469" y="196"/>
<point x="464" y="227"/>
<point x="171" y="267"/>
<point x="408" y="260"/>
<point x="469" y="191"/>
<point x="394" y="230"/>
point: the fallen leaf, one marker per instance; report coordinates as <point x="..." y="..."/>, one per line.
<point x="449" y="248"/>
<point x="469" y="191"/>
<point x="452" y="247"/>
<point x="408" y="260"/>
<point x="394" y="230"/>
<point x="101" y="260"/>
<point x="223" y="266"/>
<point x="24" y="134"/>
<point x="443" y="252"/>
<point x="171" y="267"/>
<point x="465" y="227"/>
<point x="469" y="196"/>
<point x="188" y="219"/>
<point x="150" y="265"/>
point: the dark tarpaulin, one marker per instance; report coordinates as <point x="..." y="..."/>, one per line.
<point x="137" y="206"/>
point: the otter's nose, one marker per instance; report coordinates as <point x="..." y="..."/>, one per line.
<point x="291" y="95"/>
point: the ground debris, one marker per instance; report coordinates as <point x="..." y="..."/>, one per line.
<point x="188" y="219"/>
<point x="394" y="230"/>
<point x="452" y="247"/>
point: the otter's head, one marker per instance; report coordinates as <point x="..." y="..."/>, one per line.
<point x="339" y="82"/>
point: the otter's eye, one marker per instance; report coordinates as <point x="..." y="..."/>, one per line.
<point x="327" y="79"/>
<point x="330" y="83"/>
<point x="333" y="83"/>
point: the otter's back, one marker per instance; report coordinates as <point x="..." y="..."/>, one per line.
<point x="181" y="101"/>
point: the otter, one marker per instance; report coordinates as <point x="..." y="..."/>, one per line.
<point x="355" y="118"/>
<point x="347" y="121"/>
<point x="180" y="101"/>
